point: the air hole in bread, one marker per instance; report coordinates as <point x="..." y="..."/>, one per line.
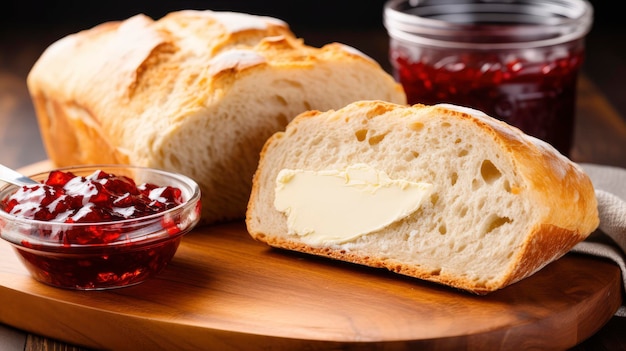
<point x="442" y="229"/>
<point x="416" y="126"/>
<point x="445" y="124"/>
<point x="374" y="140"/>
<point x="494" y="222"/>
<point x="361" y="134"/>
<point x="318" y="140"/>
<point x="475" y="184"/>
<point x="458" y="141"/>
<point x="434" y="198"/>
<point x="481" y="203"/>
<point x="507" y="186"/>
<point x="489" y="172"/>
<point x="515" y="190"/>
<point x="410" y="156"/>
<point x="399" y="168"/>
<point x="463" y="152"/>
<point x="453" y="178"/>
<point x="463" y="211"/>
<point x="433" y="141"/>
<point x="436" y="272"/>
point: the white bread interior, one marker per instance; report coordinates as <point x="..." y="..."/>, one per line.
<point x="195" y="92"/>
<point x="504" y="204"/>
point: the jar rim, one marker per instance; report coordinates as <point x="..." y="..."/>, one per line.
<point x="479" y="24"/>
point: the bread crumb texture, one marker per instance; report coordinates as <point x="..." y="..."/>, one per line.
<point x="195" y="92"/>
<point x="503" y="206"/>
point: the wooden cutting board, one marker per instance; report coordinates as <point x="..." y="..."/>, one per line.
<point x="225" y="291"/>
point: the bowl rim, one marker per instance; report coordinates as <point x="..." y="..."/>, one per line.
<point x="192" y="200"/>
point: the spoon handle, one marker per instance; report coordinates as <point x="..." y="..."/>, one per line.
<point x="11" y="176"/>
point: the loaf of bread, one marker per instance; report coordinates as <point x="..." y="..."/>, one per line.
<point x="195" y="92"/>
<point x="442" y="193"/>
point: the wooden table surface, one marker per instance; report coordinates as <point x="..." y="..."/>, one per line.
<point x="600" y="135"/>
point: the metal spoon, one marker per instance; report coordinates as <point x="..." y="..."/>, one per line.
<point x="12" y="176"/>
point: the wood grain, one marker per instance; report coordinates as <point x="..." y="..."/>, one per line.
<point x="226" y="291"/>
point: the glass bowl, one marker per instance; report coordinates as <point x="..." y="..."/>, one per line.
<point x="55" y="253"/>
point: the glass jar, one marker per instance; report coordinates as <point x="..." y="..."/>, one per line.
<point x="516" y="60"/>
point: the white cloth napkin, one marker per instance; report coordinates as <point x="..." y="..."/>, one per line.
<point x="609" y="241"/>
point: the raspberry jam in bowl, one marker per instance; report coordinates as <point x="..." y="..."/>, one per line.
<point x="98" y="227"/>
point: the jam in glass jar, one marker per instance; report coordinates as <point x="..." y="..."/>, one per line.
<point x="516" y="60"/>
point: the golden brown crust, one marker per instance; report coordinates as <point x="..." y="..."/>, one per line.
<point x="557" y="187"/>
<point x="553" y="178"/>
<point x="545" y="245"/>
<point x="196" y="92"/>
